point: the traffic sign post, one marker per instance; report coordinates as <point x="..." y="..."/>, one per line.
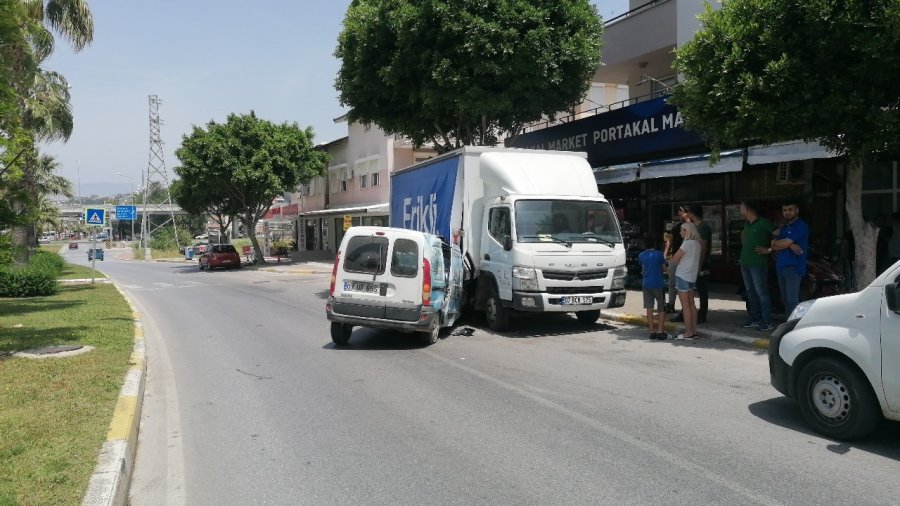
<point x="95" y="217"/>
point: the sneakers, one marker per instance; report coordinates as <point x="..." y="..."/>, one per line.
<point x="751" y="324"/>
<point x="765" y="327"/>
<point x="659" y="336"/>
<point x="682" y="336"/>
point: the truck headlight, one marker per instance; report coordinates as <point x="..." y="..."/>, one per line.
<point x="801" y="309"/>
<point x="524" y="278"/>
<point x="618" y="282"/>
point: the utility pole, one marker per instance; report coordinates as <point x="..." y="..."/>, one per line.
<point x="156" y="173"/>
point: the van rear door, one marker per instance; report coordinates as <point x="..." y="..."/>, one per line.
<point x="363" y="268"/>
<point x="403" y="281"/>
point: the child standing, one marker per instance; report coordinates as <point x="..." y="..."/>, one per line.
<point x="652" y="262"/>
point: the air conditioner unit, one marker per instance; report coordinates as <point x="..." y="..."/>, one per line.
<point x="783" y="173"/>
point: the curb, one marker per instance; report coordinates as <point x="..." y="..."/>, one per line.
<point x="633" y="319"/>
<point x="115" y="463"/>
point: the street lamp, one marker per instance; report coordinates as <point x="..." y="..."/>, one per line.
<point x="132" y="202"/>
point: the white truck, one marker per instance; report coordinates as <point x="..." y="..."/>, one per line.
<point x="529" y="228"/>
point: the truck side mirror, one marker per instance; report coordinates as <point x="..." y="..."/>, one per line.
<point x="892" y="295"/>
<point x="507" y="243"/>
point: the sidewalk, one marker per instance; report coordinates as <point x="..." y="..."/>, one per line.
<point x="726" y="314"/>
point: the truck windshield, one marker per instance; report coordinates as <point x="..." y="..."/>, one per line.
<point x="567" y="221"/>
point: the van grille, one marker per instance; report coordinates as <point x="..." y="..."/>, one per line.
<point x="575" y="275"/>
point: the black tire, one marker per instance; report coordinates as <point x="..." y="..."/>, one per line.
<point x="497" y="315"/>
<point x="340" y="333"/>
<point x="836" y="399"/>
<point x="434" y="334"/>
<point x="588" y="317"/>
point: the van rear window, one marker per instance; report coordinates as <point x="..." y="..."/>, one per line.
<point x="366" y="255"/>
<point x="405" y="258"/>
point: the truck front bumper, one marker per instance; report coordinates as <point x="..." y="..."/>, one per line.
<point x="538" y="302"/>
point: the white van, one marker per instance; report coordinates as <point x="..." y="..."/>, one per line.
<point x="393" y="278"/>
<point x="839" y="357"/>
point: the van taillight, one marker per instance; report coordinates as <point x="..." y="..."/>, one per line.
<point x="337" y="258"/>
<point x="426" y="282"/>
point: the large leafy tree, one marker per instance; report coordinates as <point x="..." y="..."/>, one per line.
<point x="239" y="166"/>
<point x="199" y="199"/>
<point x="764" y="71"/>
<point x="456" y="72"/>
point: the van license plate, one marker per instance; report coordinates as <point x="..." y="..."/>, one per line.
<point x="574" y="301"/>
<point x="360" y="286"/>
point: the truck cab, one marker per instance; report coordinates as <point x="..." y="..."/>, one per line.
<point x="839" y="357"/>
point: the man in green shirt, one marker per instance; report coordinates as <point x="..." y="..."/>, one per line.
<point x="755" y="268"/>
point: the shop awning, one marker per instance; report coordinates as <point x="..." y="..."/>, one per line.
<point x="348" y="210"/>
<point x="787" y="152"/>
<point x="617" y="174"/>
<point x="729" y="161"/>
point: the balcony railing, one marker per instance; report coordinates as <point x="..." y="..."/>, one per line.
<point x="635" y="11"/>
<point x="568" y="118"/>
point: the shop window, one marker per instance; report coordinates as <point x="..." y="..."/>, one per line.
<point x="660" y="190"/>
<point x="878" y="176"/>
<point x="692" y="189"/>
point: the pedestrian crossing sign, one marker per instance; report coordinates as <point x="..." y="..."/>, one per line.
<point x="95" y="216"/>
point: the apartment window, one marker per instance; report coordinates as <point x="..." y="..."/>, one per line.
<point x="343" y="185"/>
<point x="363" y="180"/>
<point x="376" y="178"/>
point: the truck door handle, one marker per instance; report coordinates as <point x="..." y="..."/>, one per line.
<point x="487" y="257"/>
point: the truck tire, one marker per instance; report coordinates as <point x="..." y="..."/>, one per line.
<point x="340" y="333"/>
<point x="588" y="317"/>
<point x="434" y="334"/>
<point x="497" y="315"/>
<point x="836" y="399"/>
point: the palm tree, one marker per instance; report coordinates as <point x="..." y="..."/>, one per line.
<point x="44" y="106"/>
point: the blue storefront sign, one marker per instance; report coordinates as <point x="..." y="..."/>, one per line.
<point x="642" y="131"/>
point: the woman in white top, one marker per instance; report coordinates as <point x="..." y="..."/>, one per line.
<point x="688" y="258"/>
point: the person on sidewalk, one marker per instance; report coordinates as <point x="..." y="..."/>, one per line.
<point x="755" y="268"/>
<point x="652" y="262"/>
<point x="688" y="258"/>
<point x="673" y="244"/>
<point x="695" y="215"/>
<point x="791" y="242"/>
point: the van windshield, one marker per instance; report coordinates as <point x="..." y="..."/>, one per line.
<point x="366" y="255"/>
<point x="566" y="221"/>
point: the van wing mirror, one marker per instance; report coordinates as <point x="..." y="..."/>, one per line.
<point x="892" y="295"/>
<point x="507" y="243"/>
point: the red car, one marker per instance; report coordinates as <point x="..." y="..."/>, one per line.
<point x="220" y="255"/>
<point x="73" y="245"/>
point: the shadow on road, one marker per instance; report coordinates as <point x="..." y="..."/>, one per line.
<point x="376" y="339"/>
<point x="785" y="412"/>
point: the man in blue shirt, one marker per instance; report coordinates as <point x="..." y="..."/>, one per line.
<point x="791" y="242"/>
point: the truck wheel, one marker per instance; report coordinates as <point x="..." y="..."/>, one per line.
<point x="497" y="315"/>
<point x="588" y="317"/>
<point x="836" y="399"/>
<point x="340" y="333"/>
<point x="434" y="334"/>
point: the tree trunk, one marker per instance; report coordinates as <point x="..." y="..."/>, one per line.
<point x="251" y="231"/>
<point x="865" y="235"/>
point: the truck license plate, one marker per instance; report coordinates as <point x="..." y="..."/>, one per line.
<point x="574" y="301"/>
<point x="360" y="286"/>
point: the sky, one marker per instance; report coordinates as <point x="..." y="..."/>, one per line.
<point x="204" y="59"/>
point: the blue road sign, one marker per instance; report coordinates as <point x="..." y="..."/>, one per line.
<point x="125" y="213"/>
<point x="96" y="217"/>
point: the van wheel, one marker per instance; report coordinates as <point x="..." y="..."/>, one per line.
<point x="434" y="334"/>
<point x="836" y="399"/>
<point x="588" y="317"/>
<point x="340" y="333"/>
<point x="497" y="315"/>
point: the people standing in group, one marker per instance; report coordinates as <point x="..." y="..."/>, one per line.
<point x="757" y="234"/>
<point x="694" y="214"/>
<point x="673" y="244"/>
<point x="688" y="259"/>
<point x="652" y="262"/>
<point x="792" y="243"/>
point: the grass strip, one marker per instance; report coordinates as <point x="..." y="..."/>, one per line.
<point x="72" y="271"/>
<point x="54" y="413"/>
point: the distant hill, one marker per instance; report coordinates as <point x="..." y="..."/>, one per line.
<point x="103" y="189"/>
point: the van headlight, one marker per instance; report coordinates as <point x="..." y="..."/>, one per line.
<point x="801" y="309"/>
<point x="524" y="278"/>
<point x="618" y="282"/>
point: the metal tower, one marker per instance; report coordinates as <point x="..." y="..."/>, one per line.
<point x="156" y="176"/>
